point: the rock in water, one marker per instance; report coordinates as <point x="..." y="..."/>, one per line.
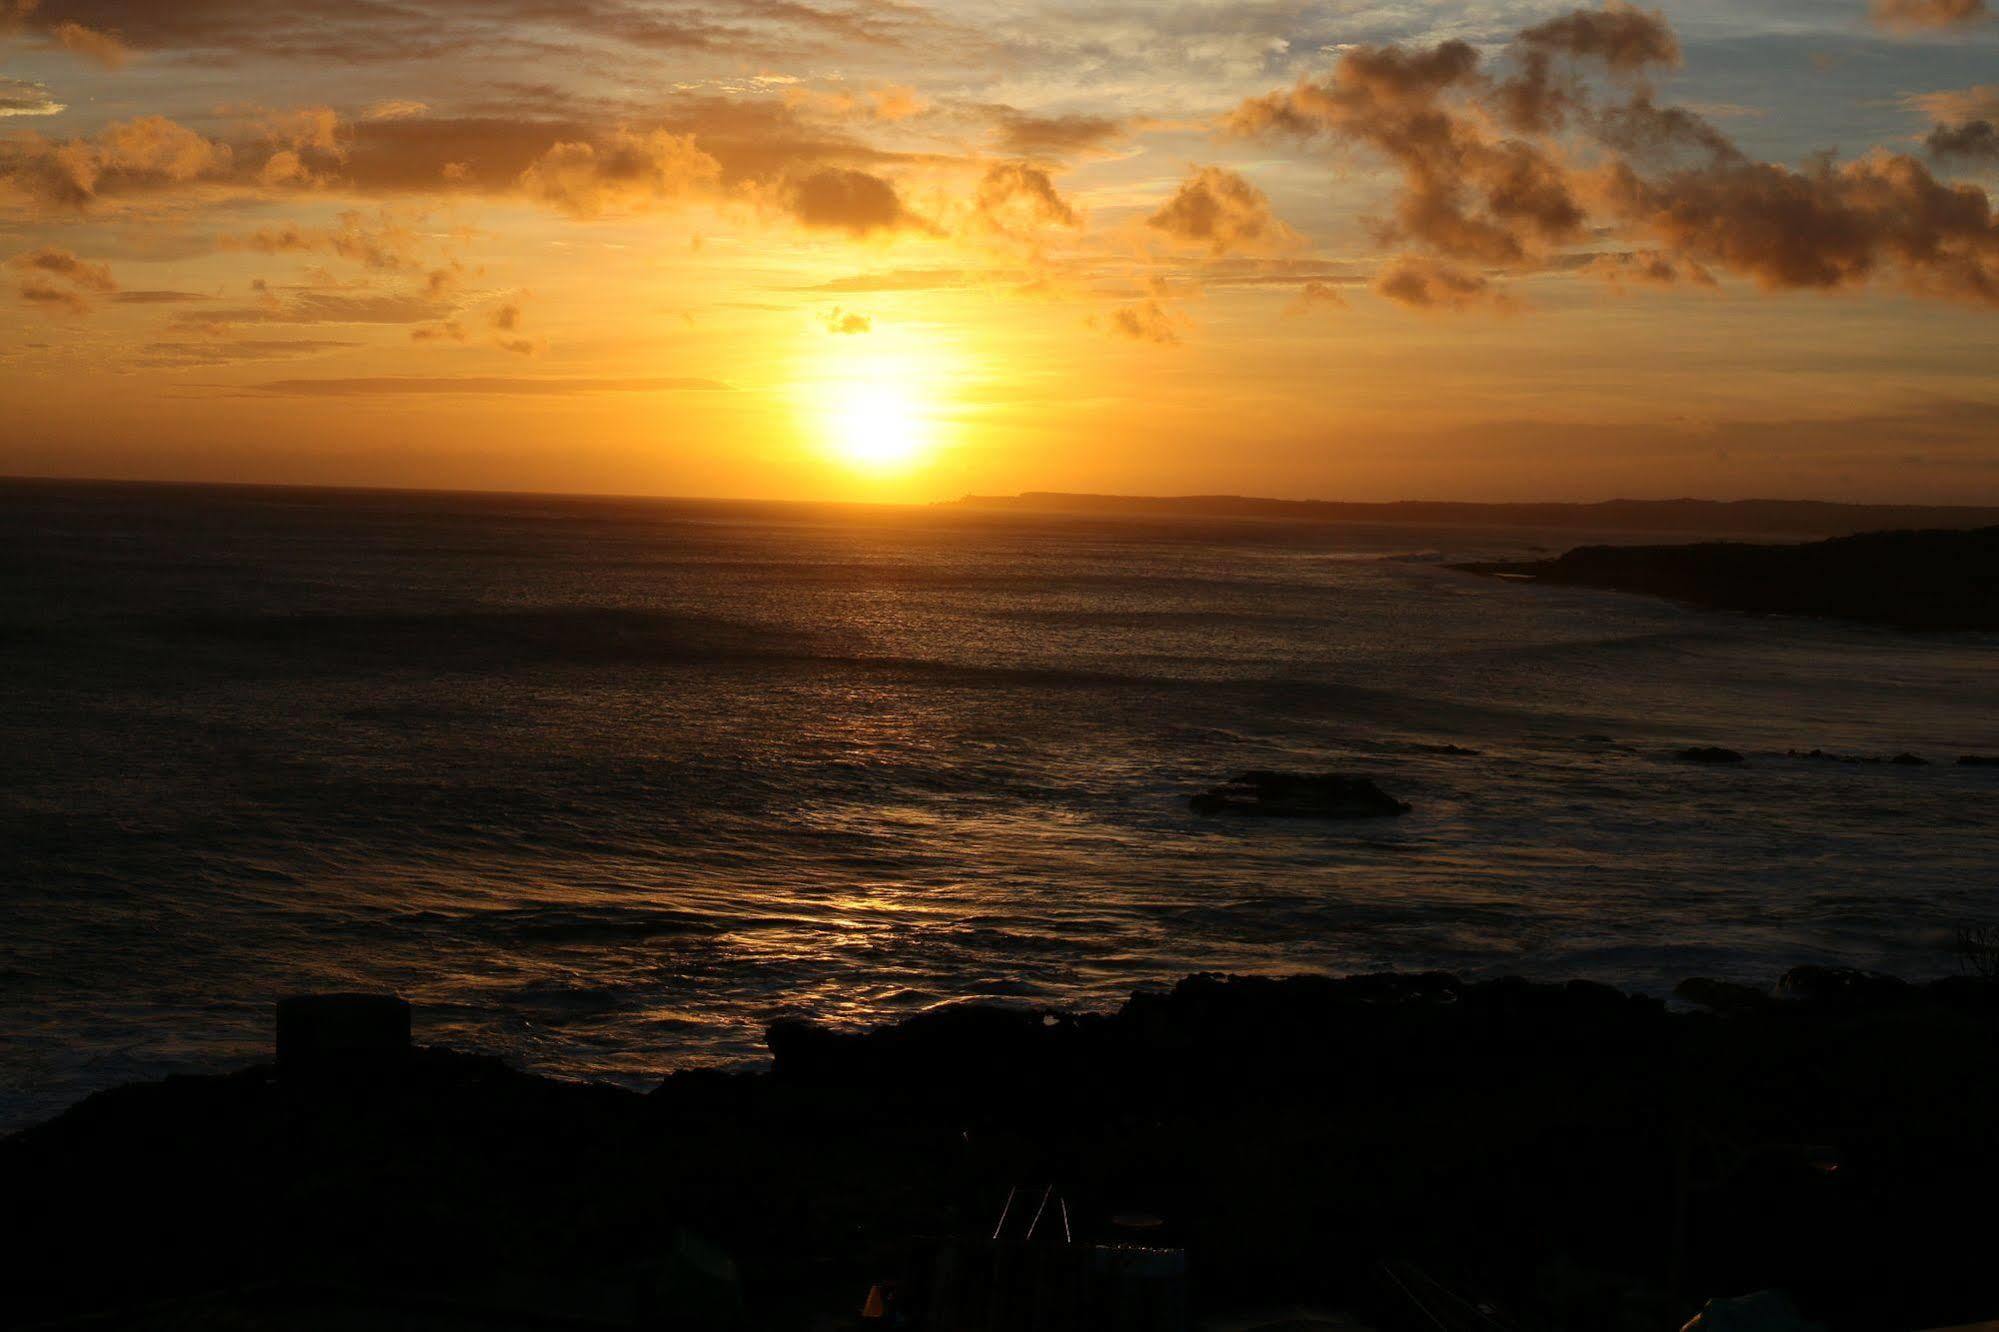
<point x="1710" y="754"/>
<point x="1299" y="795"/>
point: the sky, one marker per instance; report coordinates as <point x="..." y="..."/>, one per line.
<point x="904" y="250"/>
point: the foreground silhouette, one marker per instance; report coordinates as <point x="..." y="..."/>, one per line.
<point x="1566" y="1154"/>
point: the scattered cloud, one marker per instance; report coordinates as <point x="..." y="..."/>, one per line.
<point x="1220" y="210"/>
<point x="475" y="386"/>
<point x="843" y="321"/>
<point x="176" y="355"/>
<point x="1965" y="123"/>
<point x="856" y="202"/>
<point x="396" y="108"/>
<point x="1919" y="15"/>
<point x="126" y="156"/>
<point x="19" y="97"/>
<point x="1317" y="296"/>
<point x="1649" y="268"/>
<point x="99" y="47"/>
<point x="1431" y="284"/>
<point x="51" y="261"/>
<point x="49" y="296"/>
<point x="1148" y="320"/>
<point x="1490" y="182"/>
<point x="1018" y="200"/>
<point x="381" y="242"/>
<point x="630" y="171"/>
<point x="1043" y="138"/>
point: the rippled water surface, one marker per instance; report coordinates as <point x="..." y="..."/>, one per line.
<point x="607" y="785"/>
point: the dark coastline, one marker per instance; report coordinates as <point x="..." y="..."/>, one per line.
<point x="1541" y="1145"/>
<point x="1933" y="581"/>
<point x="1802" y="518"/>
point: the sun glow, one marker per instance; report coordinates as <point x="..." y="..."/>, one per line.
<point x="875" y="409"/>
<point x="877" y="423"/>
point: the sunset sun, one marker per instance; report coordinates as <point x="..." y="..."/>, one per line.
<point x="876" y="424"/>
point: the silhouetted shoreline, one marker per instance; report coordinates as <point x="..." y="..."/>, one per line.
<point x="1566" y="1152"/>
<point x="1794" y="517"/>
<point x="1933" y="580"/>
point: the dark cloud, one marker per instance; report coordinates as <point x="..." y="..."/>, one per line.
<point x="1973" y="141"/>
<point x="358" y="31"/>
<point x="53" y="262"/>
<point x="49" y="296"/>
<point x="1218" y="209"/>
<point x="475" y="385"/>
<point x="1022" y="134"/>
<point x="1517" y="195"/>
<point x="630" y="171"/>
<point x="856" y="202"/>
<point x="1622" y="36"/>
<point x="1430" y="284"/>
<point x="1965" y="123"/>
<point x="1146" y="321"/>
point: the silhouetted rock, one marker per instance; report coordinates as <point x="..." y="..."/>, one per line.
<point x="1846" y="986"/>
<point x="1710" y="754"/>
<point x="1902" y="760"/>
<point x="1978" y="760"/>
<point x="1293" y="795"/>
<point x="330" y="1033"/>
<point x="1927" y="580"/>
<point x="1725" y="997"/>
<point x="1292" y="1135"/>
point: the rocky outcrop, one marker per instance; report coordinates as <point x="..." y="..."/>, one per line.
<point x="1710" y="754"/>
<point x="1299" y="795"/>
<point x="1537" y="1142"/>
<point x="1921" y="580"/>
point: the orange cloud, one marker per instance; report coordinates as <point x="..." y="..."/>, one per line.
<point x="50" y="261"/>
<point x="1917" y="15"/>
<point x="631" y="171"/>
<point x="1218" y="209"/>
<point x="101" y="47"/>
<point x="1430" y="284"/>
<point x="131" y="155"/>
<point x="856" y="202"/>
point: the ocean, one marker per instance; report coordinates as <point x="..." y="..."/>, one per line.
<point x="604" y="786"/>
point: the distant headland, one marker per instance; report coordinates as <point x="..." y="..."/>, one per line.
<point x="1929" y="580"/>
<point x="1792" y="517"/>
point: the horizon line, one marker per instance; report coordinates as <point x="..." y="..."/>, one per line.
<point x="968" y="499"/>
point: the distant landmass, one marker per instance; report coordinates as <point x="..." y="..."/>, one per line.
<point x="1787" y="517"/>
<point x="1934" y="580"/>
